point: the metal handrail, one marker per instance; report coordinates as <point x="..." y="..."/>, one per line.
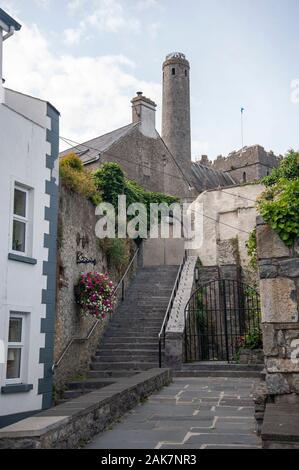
<point x="86" y="338"/>
<point x="162" y="333"/>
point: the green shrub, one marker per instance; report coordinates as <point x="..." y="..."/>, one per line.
<point x="76" y="177"/>
<point x="288" y="168"/>
<point x="251" y="246"/>
<point x="279" y="206"/>
<point x="254" y="339"/>
<point x="110" y="181"/>
<point x="117" y="251"/>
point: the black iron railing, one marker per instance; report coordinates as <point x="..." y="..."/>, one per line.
<point x="162" y="333"/>
<point x="121" y="286"/>
<point x="219" y="317"/>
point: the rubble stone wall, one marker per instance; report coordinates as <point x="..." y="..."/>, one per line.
<point x="279" y="289"/>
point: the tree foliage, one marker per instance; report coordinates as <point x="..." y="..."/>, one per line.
<point x="279" y="207"/>
<point x="279" y="203"/>
<point x="288" y="168"/>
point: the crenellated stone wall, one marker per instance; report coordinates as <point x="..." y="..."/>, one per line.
<point x="279" y="289"/>
<point x="248" y="164"/>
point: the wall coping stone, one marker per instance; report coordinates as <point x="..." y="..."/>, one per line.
<point x="281" y="423"/>
<point x="46" y="426"/>
<point x="176" y="322"/>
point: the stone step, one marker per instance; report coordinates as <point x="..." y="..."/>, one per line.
<point x="219" y="373"/>
<point x="144" y="306"/>
<point x="124" y="346"/>
<point x="106" y="374"/>
<point x="210" y="365"/>
<point x="61" y="401"/>
<point x="123" y="366"/>
<point x="142" y="315"/>
<point x="135" y="330"/>
<point x="70" y="394"/>
<point x="129" y="322"/>
<point x="138" y="324"/>
<point x="124" y="339"/>
<point x="89" y="384"/>
<point x="148" y="301"/>
<point x="128" y="353"/>
<point x="126" y="357"/>
<point x="132" y="334"/>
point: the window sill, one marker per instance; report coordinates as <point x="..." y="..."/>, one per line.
<point x="18" y="388"/>
<point x="21" y="259"/>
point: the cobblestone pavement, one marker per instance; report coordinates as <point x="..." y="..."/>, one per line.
<point x="192" y="413"/>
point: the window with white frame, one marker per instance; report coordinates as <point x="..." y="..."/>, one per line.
<point x="15" y="349"/>
<point x="20" y="225"/>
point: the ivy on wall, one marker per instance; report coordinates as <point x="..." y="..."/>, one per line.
<point x="251" y="246"/>
<point x="279" y="203"/>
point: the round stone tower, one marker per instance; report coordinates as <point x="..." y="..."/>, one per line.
<point x="176" y="129"/>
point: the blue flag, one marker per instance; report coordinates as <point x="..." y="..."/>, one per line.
<point x="242" y="110"/>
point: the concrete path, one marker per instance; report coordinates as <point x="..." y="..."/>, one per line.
<point x="192" y="413"/>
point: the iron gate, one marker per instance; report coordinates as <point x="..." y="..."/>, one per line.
<point x="219" y="317"/>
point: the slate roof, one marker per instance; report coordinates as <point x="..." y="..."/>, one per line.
<point x="9" y="21"/>
<point x="92" y="149"/>
<point x="206" y="177"/>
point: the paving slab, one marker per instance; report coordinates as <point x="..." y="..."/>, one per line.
<point x="191" y="413"/>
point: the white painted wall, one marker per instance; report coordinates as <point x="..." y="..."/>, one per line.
<point x="23" y="150"/>
<point x="1" y="66"/>
<point x="148" y="121"/>
<point x="224" y="209"/>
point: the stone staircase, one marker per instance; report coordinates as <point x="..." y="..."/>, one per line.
<point x="220" y="369"/>
<point x="130" y="344"/>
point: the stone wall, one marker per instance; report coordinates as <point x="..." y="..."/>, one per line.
<point x="279" y="289"/>
<point x="229" y="215"/>
<point x="147" y="161"/>
<point x="71" y="425"/>
<point x="254" y="162"/>
<point x="76" y="235"/>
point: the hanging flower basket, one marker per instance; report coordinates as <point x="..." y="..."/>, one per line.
<point x="95" y="295"/>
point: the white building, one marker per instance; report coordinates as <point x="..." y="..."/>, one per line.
<point x="29" y="141"/>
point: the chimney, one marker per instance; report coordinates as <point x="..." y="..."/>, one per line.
<point x="144" y="112"/>
<point x="7" y="28"/>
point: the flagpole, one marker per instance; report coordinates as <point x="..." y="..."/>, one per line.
<point x="242" y="128"/>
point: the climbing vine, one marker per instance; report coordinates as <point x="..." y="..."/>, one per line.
<point x="279" y="203"/>
<point x="251" y="246"/>
<point x="279" y="207"/>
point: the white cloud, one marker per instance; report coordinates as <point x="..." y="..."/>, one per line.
<point x="42" y="3"/>
<point x="74" y="5"/>
<point x="110" y="16"/>
<point x="92" y="93"/>
<point x="72" y="36"/>
<point x="146" y="4"/>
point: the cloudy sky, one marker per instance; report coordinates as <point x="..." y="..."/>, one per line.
<point x="89" y="57"/>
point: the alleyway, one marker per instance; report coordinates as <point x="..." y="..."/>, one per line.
<point x="192" y="413"/>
